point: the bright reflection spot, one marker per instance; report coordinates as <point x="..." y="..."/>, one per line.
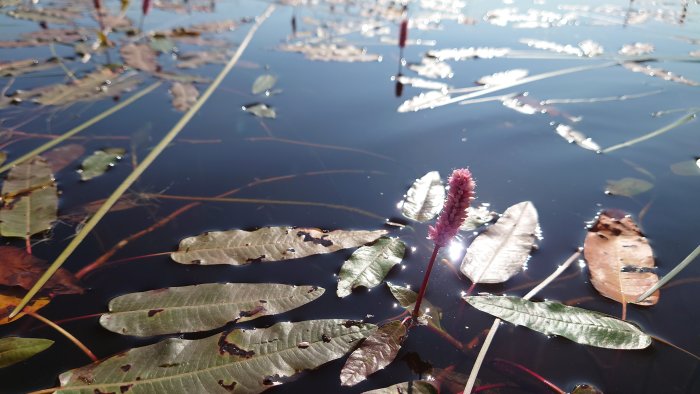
<point x="462" y="293"/>
<point x="697" y="163"/>
<point x="454" y="251"/>
<point x="581" y="263"/>
<point x="403" y="267"/>
<point x="396" y="305"/>
<point x="413" y="248"/>
<point x="399" y="204"/>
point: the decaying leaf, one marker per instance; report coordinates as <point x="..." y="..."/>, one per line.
<point x="11" y="297"/>
<point x="369" y="265"/>
<point x="331" y="52"/>
<point x="552" y="318"/>
<point x="201" y="307"/>
<point x="407" y="299"/>
<point x="628" y="187"/>
<point x="263" y="83"/>
<point x="140" y="56"/>
<point x="658" y="73"/>
<point x="636" y="49"/>
<point x="245" y="360"/>
<point x="21" y="67"/>
<point x="620" y="260"/>
<point x="503" y="249"/>
<point x="412" y="387"/>
<point x="503" y="77"/>
<point x="200" y="58"/>
<point x="576" y="137"/>
<point x="99" y="162"/>
<point x="240" y="247"/>
<point x="426" y="100"/>
<point x="424" y="199"/>
<point x="468" y="53"/>
<point x="16" y="349"/>
<point x="431" y="68"/>
<point x="30" y="200"/>
<point x="46" y="15"/>
<point x="59" y="158"/>
<point x="184" y="96"/>
<point x="261" y="110"/>
<point x="182" y="78"/>
<point x="375" y="353"/>
<point x="586" y="48"/>
<point x="19" y="268"/>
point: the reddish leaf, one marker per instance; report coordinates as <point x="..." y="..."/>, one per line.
<point x="10" y="298"/>
<point x="18" y="268"/>
<point x="59" y="158"/>
<point x="620" y="259"/>
<point x="375" y="353"/>
<point x="140" y="56"/>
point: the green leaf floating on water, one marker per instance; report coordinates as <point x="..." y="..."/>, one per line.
<point x="240" y="247"/>
<point x="552" y="318"/>
<point x="412" y="387"/>
<point x="628" y="187"/>
<point x="201" y="307"/>
<point x="425" y="198"/>
<point x="407" y="299"/>
<point x="99" y="162"/>
<point x="369" y="265"/>
<point x="31" y="199"/>
<point x="261" y="110"/>
<point x="263" y="83"/>
<point x="241" y="361"/>
<point x="16" y="349"/>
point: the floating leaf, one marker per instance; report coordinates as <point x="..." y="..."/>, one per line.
<point x="628" y="187"/>
<point x="576" y="137"/>
<point x="503" y="77"/>
<point x="260" y="110"/>
<point x="21" y="67"/>
<point x="59" y="158"/>
<point x="407" y="299"/>
<point x="331" y="52"/>
<point x="240" y="247"/>
<point x="412" y="387"/>
<point x="183" y="78"/>
<point x="245" y="360"/>
<point x="585" y="389"/>
<point x="19" y="268"/>
<point x="686" y="168"/>
<point x="620" y="259"/>
<point x="431" y="99"/>
<point x="636" y="49"/>
<point x="10" y="298"/>
<point x="552" y="318"/>
<point x="162" y="45"/>
<point x="99" y="162"/>
<point x="201" y="307"/>
<point x="680" y="267"/>
<point x="369" y="265"/>
<point x="45" y="15"/>
<point x="206" y="27"/>
<point x="140" y="56"/>
<point x="477" y="217"/>
<point x="431" y="68"/>
<point x="503" y="249"/>
<point x="586" y="48"/>
<point x="196" y="59"/>
<point x="658" y="73"/>
<point x="30" y="200"/>
<point x="263" y="83"/>
<point x="468" y="53"/>
<point x="425" y="198"/>
<point x="375" y="353"/>
<point x="16" y="349"/>
<point x="420" y="83"/>
<point x="184" y="96"/>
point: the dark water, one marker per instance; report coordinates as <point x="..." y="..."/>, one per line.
<point x="514" y="156"/>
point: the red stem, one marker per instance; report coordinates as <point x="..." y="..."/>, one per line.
<point x="533" y="374"/>
<point x="424" y="285"/>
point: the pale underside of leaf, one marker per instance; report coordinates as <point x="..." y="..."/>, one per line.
<point x="201" y="307"/>
<point x="263" y="83"/>
<point x="369" y="265"/>
<point x="620" y="260"/>
<point x="502" y="250"/>
<point x="16" y="349"/>
<point x="240" y="247"/>
<point x="424" y="198"/>
<point x="427" y="100"/>
<point x="261" y="110"/>
<point x="576" y="137"/>
<point x="407" y="299"/>
<point x="184" y="95"/>
<point x="241" y="361"/>
<point x="30" y="199"/>
<point x="552" y="318"/>
<point x="412" y="387"/>
<point x="375" y="353"/>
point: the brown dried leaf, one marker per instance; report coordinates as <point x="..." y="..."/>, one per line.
<point x="375" y="353"/>
<point x="59" y="158"/>
<point x="19" y="268"/>
<point x="184" y="96"/>
<point x="140" y="56"/>
<point x="26" y="66"/>
<point x="196" y="59"/>
<point x="620" y="259"/>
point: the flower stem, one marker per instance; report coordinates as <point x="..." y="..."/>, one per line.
<point x="63" y="332"/>
<point x="424" y="285"/>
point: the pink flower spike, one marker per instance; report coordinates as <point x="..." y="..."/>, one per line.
<point x="454" y="212"/>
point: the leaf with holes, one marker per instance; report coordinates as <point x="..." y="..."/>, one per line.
<point x="240" y="247"/>
<point x="502" y="250"/>
<point x="139" y="56"/>
<point x="201" y="307"/>
<point x="552" y="318"/>
<point x="620" y="259"/>
<point x="412" y="387"/>
<point x="263" y="83"/>
<point x="424" y="199"/>
<point x="369" y="265"/>
<point x="99" y="162"/>
<point x="628" y="187"/>
<point x="245" y="360"/>
<point x="375" y="353"/>
<point x="16" y="349"/>
<point x="407" y="299"/>
<point x="184" y="96"/>
<point x="30" y="200"/>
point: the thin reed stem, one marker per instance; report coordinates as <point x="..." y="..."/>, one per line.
<point x="63" y="332"/>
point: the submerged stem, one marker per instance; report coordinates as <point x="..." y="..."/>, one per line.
<point x="63" y="332"/>
<point x="424" y="285"/>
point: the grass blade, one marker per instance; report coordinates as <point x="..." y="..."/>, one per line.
<point x="124" y="186"/>
<point x="671" y="274"/>
<point x="687" y="118"/>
